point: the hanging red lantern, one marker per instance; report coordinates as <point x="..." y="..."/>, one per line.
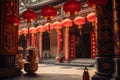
<point x="79" y="21"/>
<point x="57" y="25"/>
<point x="24" y="31"/>
<point x="48" y="11"/>
<point x="67" y="23"/>
<point x="91" y="18"/>
<point x="33" y="30"/>
<point x="19" y="32"/>
<point x="29" y="15"/>
<point x="94" y="3"/>
<point x="72" y="6"/>
<point x="102" y="2"/>
<point x="13" y="19"/>
<point x="40" y="28"/>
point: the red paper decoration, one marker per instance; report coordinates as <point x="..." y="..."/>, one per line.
<point x="94" y="3"/>
<point x="48" y="11"/>
<point x="79" y="21"/>
<point x="13" y="19"/>
<point x="57" y="25"/>
<point x="33" y="30"/>
<point x="72" y="6"/>
<point x="29" y="15"/>
<point x="91" y="17"/>
<point x="24" y="31"/>
<point x="40" y="28"/>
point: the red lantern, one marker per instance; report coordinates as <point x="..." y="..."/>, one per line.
<point x="94" y="3"/>
<point x="57" y="25"/>
<point x="13" y="19"/>
<point x="72" y="6"/>
<point x="40" y="28"/>
<point x="67" y="23"/>
<point x="33" y="30"/>
<point x="29" y="15"/>
<point x="79" y="21"/>
<point x="19" y="32"/>
<point x="91" y="17"/>
<point x="48" y="26"/>
<point x="48" y="11"/>
<point x="102" y="2"/>
<point x="24" y="31"/>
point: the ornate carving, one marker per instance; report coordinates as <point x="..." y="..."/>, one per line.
<point x="9" y="37"/>
<point x="105" y="32"/>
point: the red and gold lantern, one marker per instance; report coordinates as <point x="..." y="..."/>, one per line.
<point x="48" y="12"/>
<point x="91" y="18"/>
<point x="67" y="23"/>
<point x="72" y="7"/>
<point x="94" y="3"/>
<point x="24" y="31"/>
<point x="79" y="21"/>
<point x="13" y="20"/>
<point x="57" y="25"/>
<point x="40" y="28"/>
<point x="33" y="30"/>
<point x="29" y="15"/>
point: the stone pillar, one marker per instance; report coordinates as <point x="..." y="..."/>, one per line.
<point x="105" y="42"/>
<point x="116" y="17"/>
<point x="8" y="39"/>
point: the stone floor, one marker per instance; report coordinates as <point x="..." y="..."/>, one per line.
<point x="55" y="72"/>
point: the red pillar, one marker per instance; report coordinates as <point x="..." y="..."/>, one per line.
<point x="8" y="39"/>
<point x="93" y="44"/>
<point x="72" y="46"/>
<point x="40" y="46"/>
<point x="33" y="40"/>
<point x="66" y="44"/>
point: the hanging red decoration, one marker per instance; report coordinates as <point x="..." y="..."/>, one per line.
<point x="67" y="23"/>
<point x="57" y="25"/>
<point x="29" y="15"/>
<point x="94" y="3"/>
<point x="33" y="30"/>
<point x="48" y="11"/>
<point x="24" y="31"/>
<point x="79" y="21"/>
<point x="40" y="28"/>
<point x="102" y="2"/>
<point x="91" y="17"/>
<point x="13" y="19"/>
<point x="72" y="6"/>
<point x="19" y="32"/>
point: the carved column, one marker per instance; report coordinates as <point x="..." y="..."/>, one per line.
<point x="105" y="42"/>
<point x="8" y="39"/>
<point x="116" y="18"/>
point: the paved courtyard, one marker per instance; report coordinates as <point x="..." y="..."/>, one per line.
<point x="55" y="72"/>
